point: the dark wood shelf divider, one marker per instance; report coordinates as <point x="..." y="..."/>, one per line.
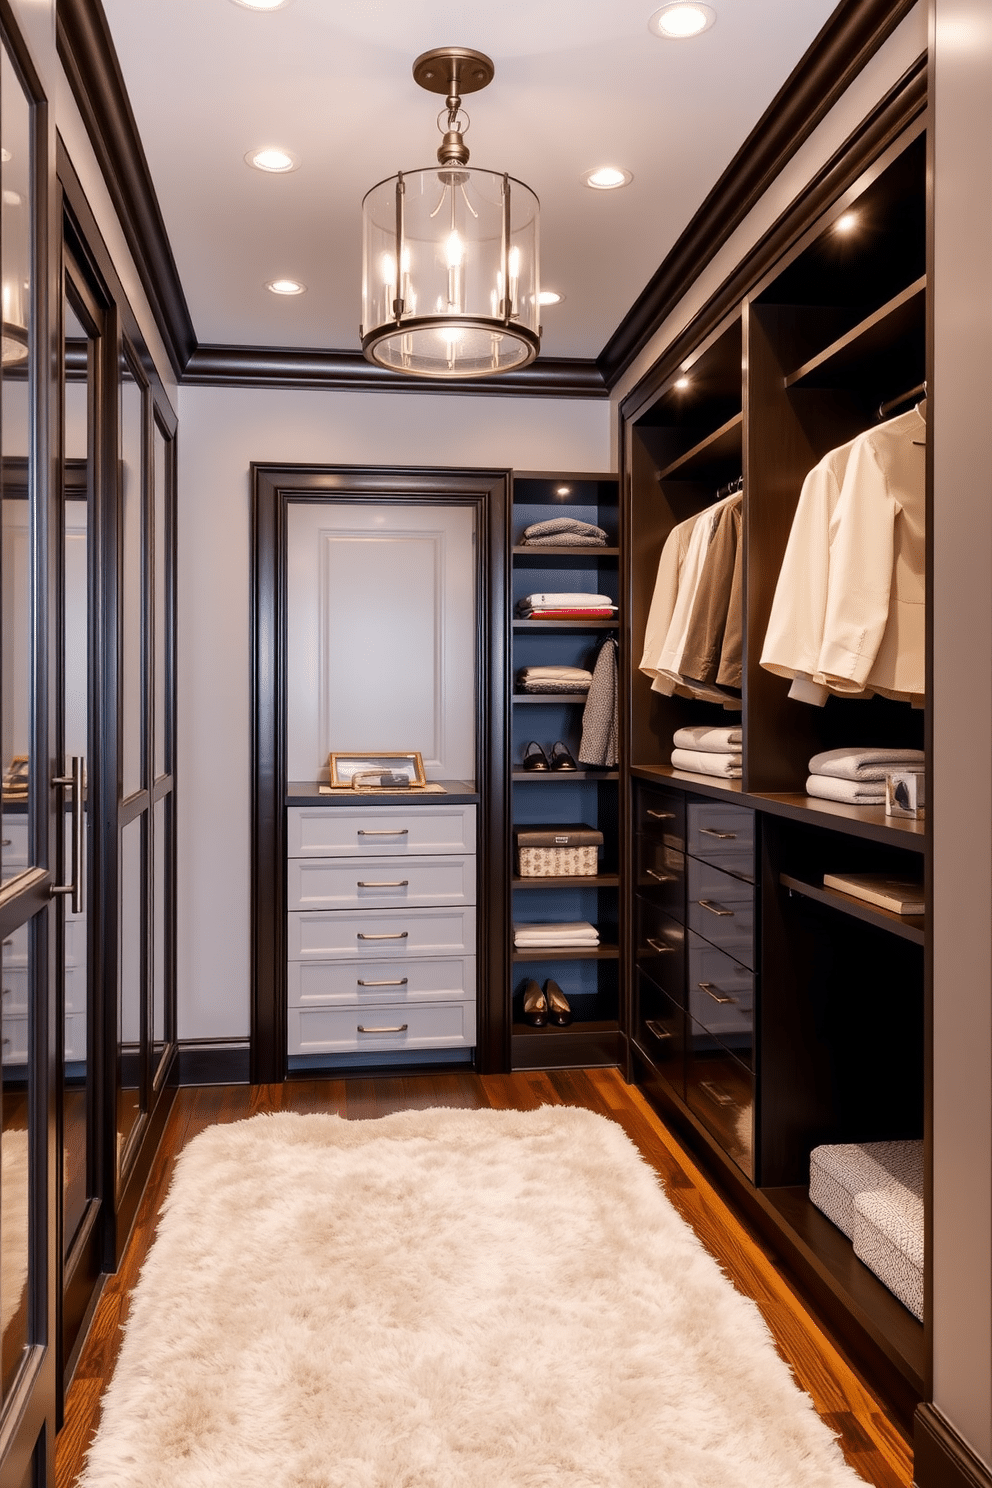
<point x="720" y="444"/>
<point x="548" y="697"/>
<point x="601" y="881"/>
<point x="525" y="556"/>
<point x="566" y="624"/>
<point x="910" y="927"/>
<point x="875" y="332"/>
<point x="568" y="953"/>
<point x="537" y="776"/>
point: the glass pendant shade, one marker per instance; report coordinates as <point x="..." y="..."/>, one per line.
<point x="450" y="284"/>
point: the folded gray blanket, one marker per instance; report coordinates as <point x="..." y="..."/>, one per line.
<point x="865" y="764"/>
<point x="550" y="685"/>
<point x="567" y="530"/>
<point x="710" y="740"/>
<point x="853" y="792"/>
<point x="728" y="766"/>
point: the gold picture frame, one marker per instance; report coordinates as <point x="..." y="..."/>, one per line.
<point x="383" y="771"/>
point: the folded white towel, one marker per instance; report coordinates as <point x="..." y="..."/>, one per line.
<point x="710" y="740"/>
<point x="854" y="792"/>
<point x="567" y="601"/>
<point x="702" y="763"/>
<point x="865" y="764"/>
<point x="577" y="932"/>
<point x="555" y="674"/>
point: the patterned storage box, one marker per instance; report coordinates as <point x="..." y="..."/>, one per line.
<point x="888" y="1237"/>
<point x="558" y="851"/>
<point x="874" y="1193"/>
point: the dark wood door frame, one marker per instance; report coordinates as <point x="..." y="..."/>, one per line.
<point x="274" y="488"/>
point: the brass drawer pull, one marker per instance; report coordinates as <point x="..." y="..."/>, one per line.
<point x="720" y="1097"/>
<point x="708" y="988"/>
<point x="396" y="883"/>
<point x="661" y="947"/>
<point x="661" y="877"/>
<point x="715" y="908"/>
<point x="724" y="836"/>
<point x="400" y="1028"/>
<point x="401" y="935"/>
<point x="653" y="1027"/>
<point x="662" y="815"/>
<point x="399" y="982"/>
<point x="384" y="832"/>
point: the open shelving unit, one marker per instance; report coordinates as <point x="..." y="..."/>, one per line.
<point x="831" y="335"/>
<point x="589" y="977"/>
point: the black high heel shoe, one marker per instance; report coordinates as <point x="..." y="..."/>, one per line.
<point x="561" y="759"/>
<point x="534" y="1005"/>
<point x="559" y="1011"/>
<point x="535" y="757"/>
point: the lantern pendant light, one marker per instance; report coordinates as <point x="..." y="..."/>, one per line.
<point x="450" y="283"/>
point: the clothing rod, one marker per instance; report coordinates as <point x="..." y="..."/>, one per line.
<point x="737" y="484"/>
<point x="914" y="394"/>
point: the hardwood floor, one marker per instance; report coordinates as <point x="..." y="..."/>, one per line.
<point x="872" y="1442"/>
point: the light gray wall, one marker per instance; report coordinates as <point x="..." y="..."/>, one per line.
<point x="961" y="418"/>
<point x="221" y="431"/>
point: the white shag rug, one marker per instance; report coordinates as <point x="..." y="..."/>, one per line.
<point x="443" y="1299"/>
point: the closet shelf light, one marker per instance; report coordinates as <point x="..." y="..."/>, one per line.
<point x="286" y="287"/>
<point x="607" y="177"/>
<point x="274" y="159"/>
<point x="451" y="284"/>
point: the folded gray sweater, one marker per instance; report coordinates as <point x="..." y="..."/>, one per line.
<point x="563" y="532"/>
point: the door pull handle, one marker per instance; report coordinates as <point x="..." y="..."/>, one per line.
<point x="662" y="815"/>
<point x="402" y="935"/>
<point x="396" y="883"/>
<point x="714" y="992"/>
<point x="400" y="1028"/>
<point x="398" y="982"/>
<point x="661" y="877"/>
<point x="723" y="836"/>
<point x="715" y="909"/>
<point x="656" y="1028"/>
<point x="661" y="947"/>
<point x="384" y="832"/>
<point x="75" y="780"/>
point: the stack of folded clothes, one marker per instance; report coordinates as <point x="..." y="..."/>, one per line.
<point x="566" y="607"/>
<point x="553" y="679"/>
<point x="857" y="776"/>
<point x="574" y="933"/>
<point x="708" y="751"/>
<point x="563" y="532"/>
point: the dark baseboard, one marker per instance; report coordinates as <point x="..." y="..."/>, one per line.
<point x="941" y="1458"/>
<point x="212" y="1064"/>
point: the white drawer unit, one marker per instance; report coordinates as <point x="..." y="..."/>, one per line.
<point x="379" y="883"/>
<point x="381" y="929"/>
<point x="386" y="1026"/>
<point x="419" y="979"/>
<point x="75" y="1038"/>
<point x="331" y="934"/>
<point x="375" y="831"/>
<point x="15" y="1040"/>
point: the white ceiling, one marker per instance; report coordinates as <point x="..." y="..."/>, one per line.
<point x="576" y="86"/>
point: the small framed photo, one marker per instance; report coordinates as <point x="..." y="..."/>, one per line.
<point x="377" y="771"/>
<point x="904" y="794"/>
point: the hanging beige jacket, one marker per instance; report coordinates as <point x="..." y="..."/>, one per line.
<point x="849" y="610"/>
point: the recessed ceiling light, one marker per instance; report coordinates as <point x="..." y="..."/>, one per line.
<point x="5" y="156"/>
<point x="681" y="20"/>
<point x="682" y="384"/>
<point x="550" y="297"/>
<point x="846" y="222"/>
<point x="272" y="158"/>
<point x="563" y="491"/>
<point x="607" y="177"/>
<point x="261" y="4"/>
<point x="12" y="199"/>
<point x="286" y="286"/>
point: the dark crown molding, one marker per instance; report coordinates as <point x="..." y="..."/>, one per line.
<point x="88" y="55"/>
<point x="285" y="367"/>
<point x="847" y="42"/>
